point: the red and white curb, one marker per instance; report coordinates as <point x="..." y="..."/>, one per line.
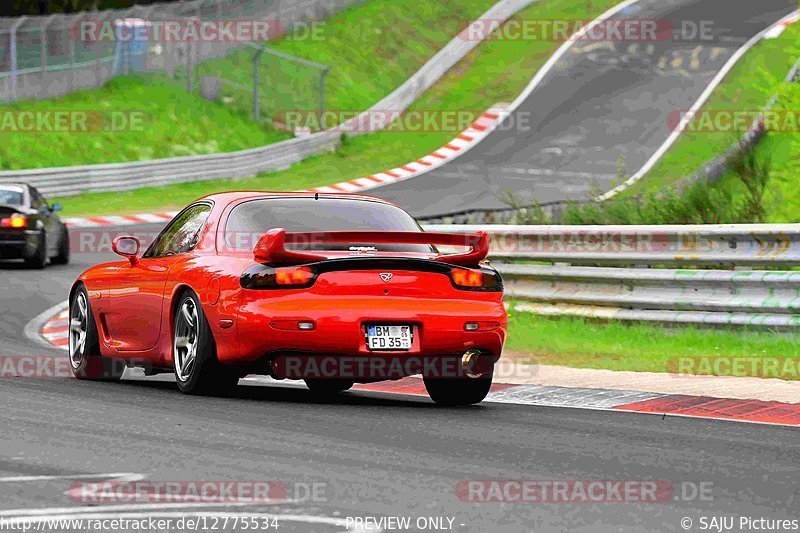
<point x="778" y="29"/>
<point x="56" y="330"/>
<point x="478" y="130"/>
<point x="752" y="411"/>
<point x="120" y="220"/>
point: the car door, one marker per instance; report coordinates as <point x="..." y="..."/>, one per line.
<point x="137" y="298"/>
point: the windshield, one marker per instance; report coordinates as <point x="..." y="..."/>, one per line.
<point x="11" y="195"/>
<point x="250" y="220"/>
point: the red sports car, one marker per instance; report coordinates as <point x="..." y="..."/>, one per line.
<point x="332" y="289"/>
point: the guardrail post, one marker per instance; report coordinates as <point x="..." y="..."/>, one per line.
<point x="257" y="84"/>
<point x="322" y="91"/>
<point x="43" y="43"/>
<point x="13" y="53"/>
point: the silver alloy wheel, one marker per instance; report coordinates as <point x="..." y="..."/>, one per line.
<point x="184" y="351"/>
<point x="78" y="326"/>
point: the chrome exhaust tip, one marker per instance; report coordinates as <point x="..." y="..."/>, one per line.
<point x="474" y="363"/>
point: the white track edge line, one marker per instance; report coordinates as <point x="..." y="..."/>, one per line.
<point x="712" y="86"/>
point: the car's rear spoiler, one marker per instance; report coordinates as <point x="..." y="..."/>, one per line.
<point x="271" y="247"/>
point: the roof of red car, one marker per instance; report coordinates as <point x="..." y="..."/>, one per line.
<point x="231" y="196"/>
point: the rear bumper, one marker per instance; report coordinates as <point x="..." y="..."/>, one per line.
<point x="438" y="327"/>
<point x="19" y="245"/>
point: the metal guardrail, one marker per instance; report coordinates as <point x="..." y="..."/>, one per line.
<point x="247" y="163"/>
<point x="618" y="272"/>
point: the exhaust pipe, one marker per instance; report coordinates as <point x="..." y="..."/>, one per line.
<point x="476" y="364"/>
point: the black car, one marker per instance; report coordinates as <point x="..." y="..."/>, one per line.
<point x="29" y="228"/>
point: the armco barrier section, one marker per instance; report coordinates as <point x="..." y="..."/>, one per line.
<point x="619" y="272"/>
<point x="126" y="176"/>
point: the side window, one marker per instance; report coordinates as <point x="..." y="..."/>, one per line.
<point x="181" y="235"/>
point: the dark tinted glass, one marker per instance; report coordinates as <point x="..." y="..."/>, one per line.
<point x="181" y="235"/>
<point x="248" y="221"/>
<point x="11" y="195"/>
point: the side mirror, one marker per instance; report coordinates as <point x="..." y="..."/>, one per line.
<point x="56" y="207"/>
<point x="127" y="247"/>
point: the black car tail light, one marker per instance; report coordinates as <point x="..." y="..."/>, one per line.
<point x="15" y="221"/>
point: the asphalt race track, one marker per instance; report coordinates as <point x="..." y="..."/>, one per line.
<point x="373" y="454"/>
<point x="602" y="100"/>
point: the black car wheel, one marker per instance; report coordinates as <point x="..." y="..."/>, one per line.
<point x="39" y="259"/>
<point x="63" y="248"/>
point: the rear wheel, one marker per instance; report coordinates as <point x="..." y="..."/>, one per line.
<point x="328" y="386"/>
<point x="194" y="353"/>
<point x="63" y="249"/>
<point x="459" y="391"/>
<point x="84" y="344"/>
<point x="39" y="259"/>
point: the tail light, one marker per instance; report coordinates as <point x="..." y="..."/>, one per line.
<point x="294" y="276"/>
<point x="14" y="221"/>
<point x="279" y="278"/>
<point x="476" y="280"/>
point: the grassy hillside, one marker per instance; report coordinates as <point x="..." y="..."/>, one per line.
<point x="372" y="48"/>
<point x="751" y="83"/>
<point x="173" y="123"/>
<point x="496" y="71"/>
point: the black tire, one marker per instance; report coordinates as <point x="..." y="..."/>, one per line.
<point x="458" y="391"/>
<point x="204" y="375"/>
<point x="84" y="357"/>
<point x="63" y="249"/>
<point x="327" y="387"/>
<point x="39" y="259"/>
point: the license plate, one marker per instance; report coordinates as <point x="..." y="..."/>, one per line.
<point x="389" y="337"/>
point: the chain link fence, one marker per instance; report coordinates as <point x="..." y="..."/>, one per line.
<point x="264" y="83"/>
<point x="43" y="57"/>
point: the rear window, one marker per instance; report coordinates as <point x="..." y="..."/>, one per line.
<point x="11" y="195"/>
<point x="250" y="220"/>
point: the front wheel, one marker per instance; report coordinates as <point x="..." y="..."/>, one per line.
<point x="84" y="344"/>
<point x="194" y="353"/>
<point x="458" y="391"/>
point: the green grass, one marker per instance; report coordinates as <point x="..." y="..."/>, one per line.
<point x="641" y="347"/>
<point x="749" y="86"/>
<point x="171" y="123"/>
<point x="496" y="71"/>
<point x="372" y="46"/>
